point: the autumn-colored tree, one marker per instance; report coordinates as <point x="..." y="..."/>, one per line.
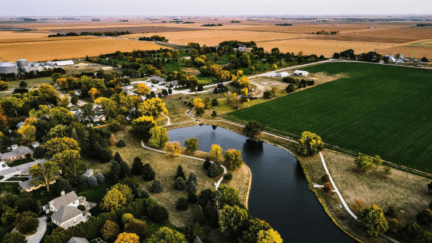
<point x="157" y="73"/>
<point x="119" y="196"/>
<point x="227" y="196"/>
<point x="166" y="234"/>
<point x="31" y="121"/>
<point x="328" y="187"/>
<point x="274" y="67"/>
<point x="110" y="230"/>
<point x="191" y="144"/>
<point x="142" y="125"/>
<point x="127" y="238"/>
<point x="126" y="218"/>
<point x="173" y="148"/>
<point x="233" y="159"/>
<point x="111" y="107"/>
<point x="44" y="174"/>
<point x="61" y="115"/>
<point x="152" y="107"/>
<point x="309" y="144"/>
<point x="269" y="236"/>
<point x="58" y="131"/>
<point x="57" y="145"/>
<point x="372" y="220"/>
<point x="253" y="226"/>
<point x="4" y="85"/>
<point x="216" y="151"/>
<point x="232" y="219"/>
<point x="62" y="83"/>
<point x="358" y="206"/>
<point x="94" y="93"/>
<point x="112" y="140"/>
<point x="198" y="103"/>
<point x="143" y="89"/>
<point x="27" y="133"/>
<point x="364" y="163"/>
<point x="159" y="137"/>
<point x="274" y="90"/>
<point x="47" y="90"/>
<point x="68" y="160"/>
<point x="136" y="226"/>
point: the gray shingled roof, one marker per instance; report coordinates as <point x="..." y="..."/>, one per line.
<point x="65" y="213"/>
<point x="22" y="150"/>
<point x="197" y="240"/>
<point x="78" y="240"/>
<point x="64" y="200"/>
<point x="21" y="168"/>
<point x="25" y="185"/>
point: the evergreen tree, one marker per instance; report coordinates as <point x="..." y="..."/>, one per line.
<point x="180" y="173"/>
<point x="199" y="216"/>
<point x="179" y="184"/>
<point x="192" y="187"/>
<point x="137" y="166"/>
<point x="182" y="204"/>
<point x="207" y="163"/>
<point x="192" y="178"/>
<point x="113" y="178"/>
<point x="115" y="168"/>
<point x="157" y="186"/>
<point x="212" y="215"/>
<point x="97" y="151"/>
<point x="117" y="157"/>
<point x="213" y="170"/>
<point x="125" y="171"/>
<point x="192" y="197"/>
<point x="64" y="185"/>
<point x="105" y="156"/>
<point x="193" y="231"/>
<point x="82" y="184"/>
<point x="205" y="197"/>
<point x="148" y="173"/>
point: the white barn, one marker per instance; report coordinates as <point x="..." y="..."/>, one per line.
<point x="301" y="73"/>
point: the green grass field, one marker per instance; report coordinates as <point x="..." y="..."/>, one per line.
<point x="382" y="110"/>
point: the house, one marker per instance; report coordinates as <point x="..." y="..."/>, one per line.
<point x="19" y="125"/>
<point x="17" y="153"/>
<point x="301" y="73"/>
<point x="66" y="212"/>
<point x="99" y="117"/>
<point x="35" y="144"/>
<point x="77" y="92"/>
<point x="282" y="74"/>
<point x="78" y="240"/>
<point x="29" y="185"/>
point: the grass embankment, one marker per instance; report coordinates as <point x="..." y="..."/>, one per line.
<point x="377" y="110"/>
<point x="165" y="168"/>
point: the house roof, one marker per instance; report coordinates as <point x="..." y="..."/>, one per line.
<point x="22" y="150"/>
<point x="64" y="200"/>
<point x="65" y="213"/>
<point x="78" y="240"/>
<point x="25" y="185"/>
<point x="88" y="173"/>
<point x="21" y="168"/>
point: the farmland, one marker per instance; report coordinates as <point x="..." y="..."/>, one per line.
<point x="377" y="110"/>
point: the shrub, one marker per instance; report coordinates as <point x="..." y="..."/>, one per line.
<point x="213" y="171"/>
<point x="4" y="85"/>
<point x="412" y="230"/>
<point x="394" y="227"/>
<point x="325" y="178"/>
<point x="358" y="205"/>
<point x="136" y="226"/>
<point x="117" y="157"/>
<point x="192" y="178"/>
<point x="192" y="197"/>
<point x="157" y="186"/>
<point x="156" y="212"/>
<point x="214" y="114"/>
<point x="290" y="88"/>
<point x="81" y="207"/>
<point x="207" y="163"/>
<point x="92" y="181"/>
<point x="82" y="184"/>
<point x="309" y="144"/>
<point x="125" y="170"/>
<point x="387" y="170"/>
<point x="74" y="100"/>
<point x="199" y="216"/>
<point x="290" y="80"/>
<point x="100" y="178"/>
<point x="268" y="94"/>
<point x="137" y="166"/>
<point x="228" y="177"/>
<point x="194" y="231"/>
<point x="182" y="204"/>
<point x="364" y="163"/>
<point x="27" y="222"/>
<point x="205" y="196"/>
<point x="64" y="185"/>
<point x="191" y="144"/>
<point x="200" y="111"/>
<point x="372" y="220"/>
<point x="23" y="84"/>
<point x="215" y="102"/>
<point x="121" y="144"/>
<point x="110" y="230"/>
<point x="328" y="187"/>
<point x="142" y="194"/>
<point x="424" y="217"/>
<point x="179" y="184"/>
<point x="148" y="173"/>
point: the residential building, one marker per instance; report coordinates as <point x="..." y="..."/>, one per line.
<point x="17" y="153"/>
<point x="78" y="240"/>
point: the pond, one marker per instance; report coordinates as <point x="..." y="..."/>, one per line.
<point x="280" y="193"/>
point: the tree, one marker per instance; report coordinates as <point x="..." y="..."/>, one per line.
<point x="166" y="234"/>
<point x="110" y="230"/>
<point x="358" y="206"/>
<point x="179" y="184"/>
<point x="215" y="102"/>
<point x="157" y="186"/>
<point x="27" y="222"/>
<point x="57" y="145"/>
<point x="253" y="227"/>
<point x="227" y="196"/>
<point x="192" y="197"/>
<point x="61" y="115"/>
<point x="137" y="166"/>
<point x="136" y="226"/>
<point x="180" y="173"/>
<point x="213" y="171"/>
<point x="119" y="196"/>
<point x="14" y="237"/>
<point x="191" y="144"/>
<point x="207" y="163"/>
<point x="44" y="174"/>
<point x="28" y="133"/>
<point x="173" y="148"/>
<point x="182" y="204"/>
<point x="159" y="137"/>
<point x="192" y="178"/>
<point x="117" y="157"/>
<point x="68" y="160"/>
<point x="4" y="85"/>
<point x="309" y="144"/>
<point x="200" y="111"/>
<point x="148" y="173"/>
<point x="143" y="89"/>
<point x="424" y="217"/>
<point x="270" y="235"/>
<point x="125" y="170"/>
<point x="233" y="159"/>
<point x="232" y="219"/>
<point x="412" y="230"/>
<point x="290" y="88"/>
<point x="253" y="129"/>
<point x="216" y="151"/>
<point x="127" y="238"/>
<point x="63" y="185"/>
<point x="58" y="131"/>
<point x="372" y="220"/>
<point x="142" y="125"/>
<point x="194" y="230"/>
<point x="364" y="163"/>
<point x="152" y="107"/>
<point x="199" y="216"/>
<point x="394" y="227"/>
<point x="205" y="197"/>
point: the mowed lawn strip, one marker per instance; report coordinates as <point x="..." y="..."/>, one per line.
<point x="382" y="110"/>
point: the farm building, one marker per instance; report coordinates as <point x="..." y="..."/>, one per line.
<point x="282" y="74"/>
<point x="301" y="73"/>
<point x="64" y="63"/>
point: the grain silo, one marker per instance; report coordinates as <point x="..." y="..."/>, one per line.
<point x="22" y="63"/>
<point x="8" y="67"/>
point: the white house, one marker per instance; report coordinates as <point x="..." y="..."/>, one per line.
<point x="282" y="74"/>
<point x="301" y="73"/>
<point x="78" y="240"/>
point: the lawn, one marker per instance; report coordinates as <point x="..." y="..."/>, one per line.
<point x="382" y="110"/>
<point x="20" y="162"/>
<point x="172" y="66"/>
<point x="17" y="178"/>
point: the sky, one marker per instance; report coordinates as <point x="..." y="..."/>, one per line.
<point x="10" y="8"/>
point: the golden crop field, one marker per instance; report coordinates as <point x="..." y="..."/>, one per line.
<point x="68" y="48"/>
<point x="10" y="35"/>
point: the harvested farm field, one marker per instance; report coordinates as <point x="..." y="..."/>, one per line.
<point x="408" y="51"/>
<point x="64" y="48"/>
<point x="138" y="29"/>
<point x="376" y="110"/>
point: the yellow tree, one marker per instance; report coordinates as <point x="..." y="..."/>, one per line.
<point x="111" y="108"/>
<point x="28" y="133"/>
<point x="94" y="93"/>
<point x="216" y="151"/>
<point x="57" y="145"/>
<point x="127" y="238"/>
<point x="244" y="91"/>
<point x="153" y="107"/>
<point x="143" y="89"/>
<point x="142" y="125"/>
<point x="47" y="89"/>
<point x="30" y="121"/>
<point x="159" y="137"/>
<point x="63" y="83"/>
<point x="173" y="148"/>
<point x="198" y="103"/>
<point x="68" y="160"/>
<point x="44" y="174"/>
<point x="110" y="230"/>
<point x="119" y="196"/>
<point x="274" y="66"/>
<point x="274" y="90"/>
<point x="269" y="236"/>
<point x="244" y="82"/>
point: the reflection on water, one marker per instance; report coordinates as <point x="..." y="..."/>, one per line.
<point x="280" y="193"/>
